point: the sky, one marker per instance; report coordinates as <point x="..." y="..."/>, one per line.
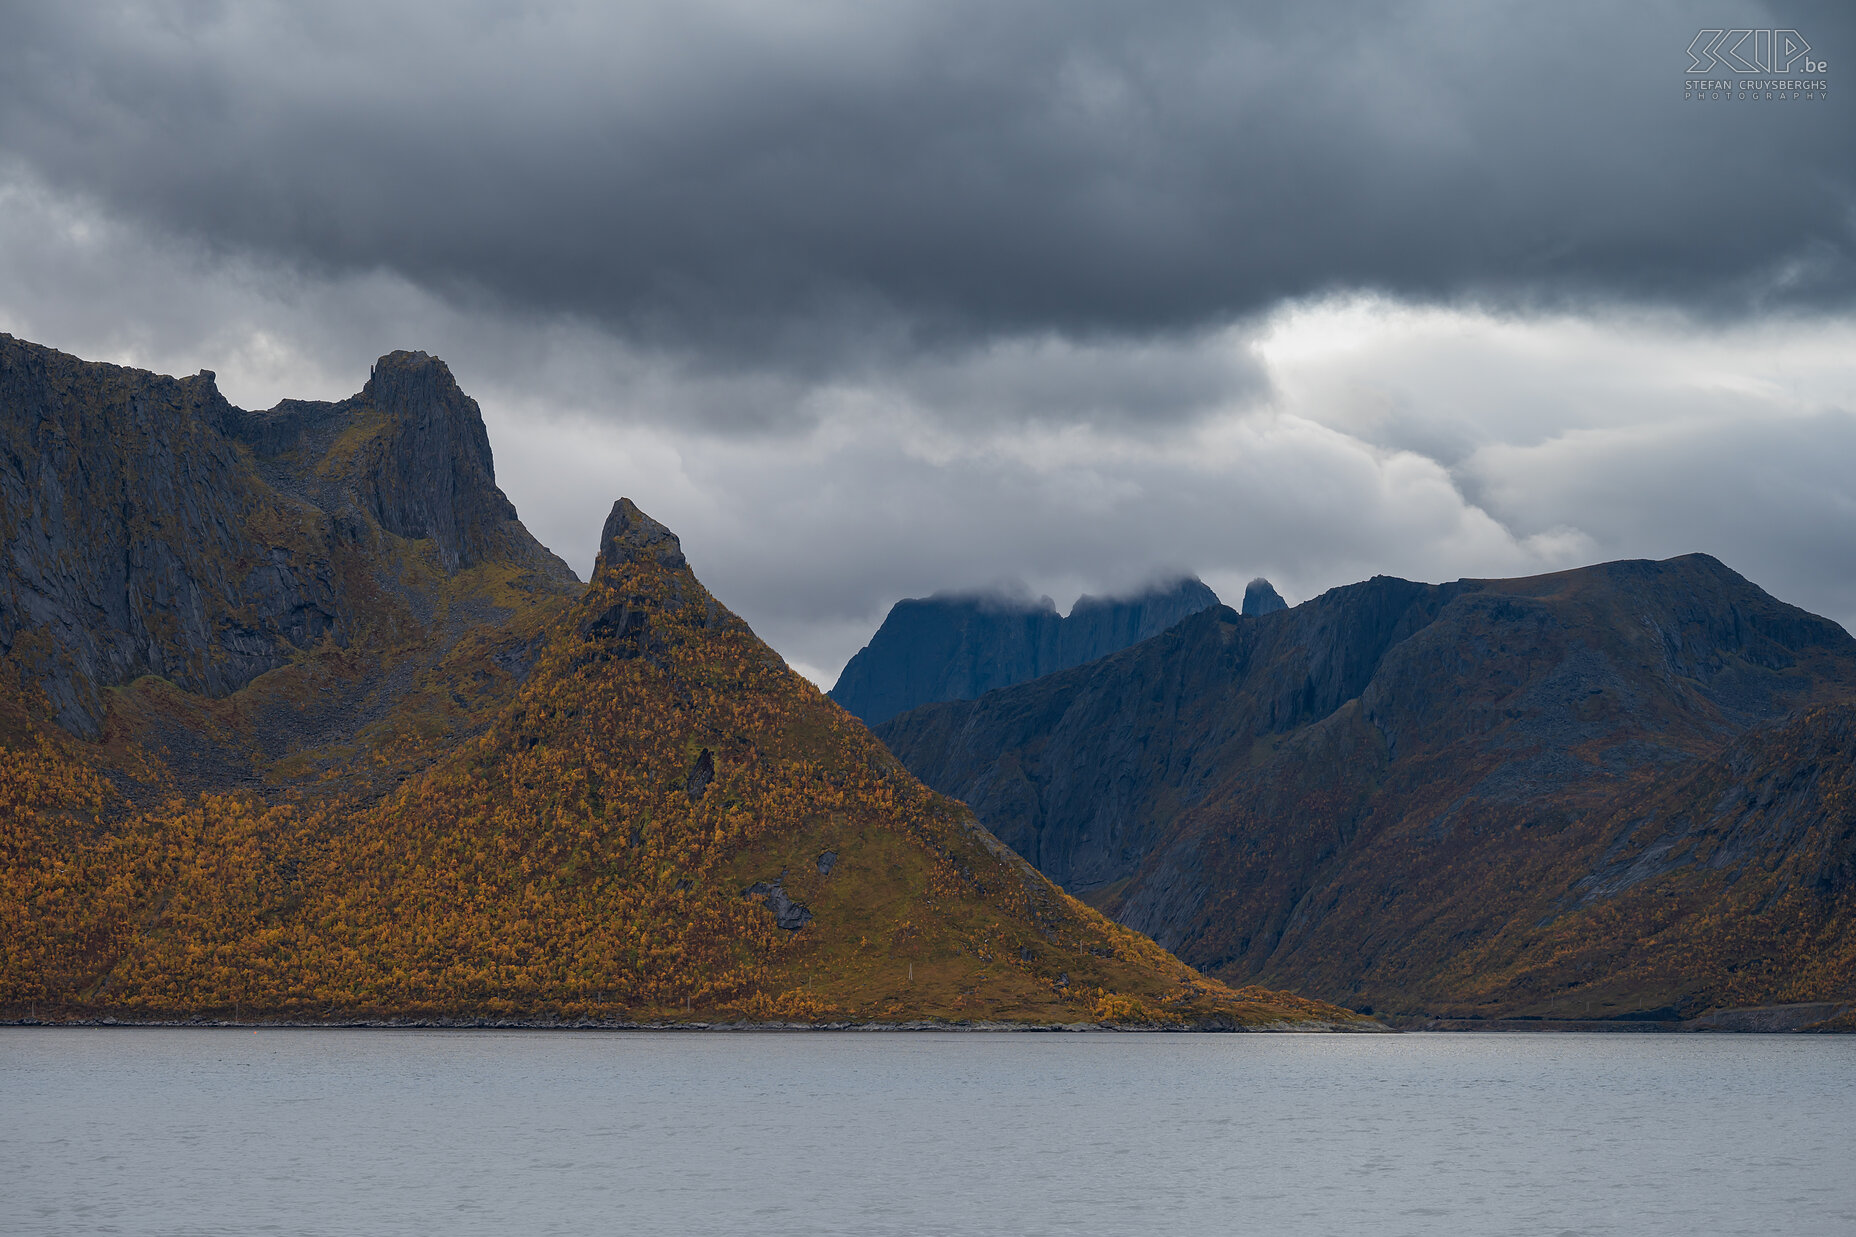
<point x="868" y="301"/>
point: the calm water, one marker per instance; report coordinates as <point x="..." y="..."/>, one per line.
<point x="386" y="1132"/>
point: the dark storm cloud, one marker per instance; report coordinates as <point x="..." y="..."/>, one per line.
<point x="743" y="184"/>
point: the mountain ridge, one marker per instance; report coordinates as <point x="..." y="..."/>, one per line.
<point x="1348" y="791"/>
<point x="958" y="646"/>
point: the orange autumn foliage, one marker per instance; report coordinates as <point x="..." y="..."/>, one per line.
<point x="587" y="853"/>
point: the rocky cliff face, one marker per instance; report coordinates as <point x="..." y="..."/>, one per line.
<point x="137" y="541"/>
<point x="409" y="453"/>
<point x="960" y="647"/>
<point x="430" y="475"/>
<point x="1365" y="790"/>
<point x="150" y="528"/>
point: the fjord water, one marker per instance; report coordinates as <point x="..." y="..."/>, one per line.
<point x="386" y="1132"/>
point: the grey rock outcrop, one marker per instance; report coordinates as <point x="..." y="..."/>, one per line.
<point x="787" y="913"/>
<point x="701" y="774"/>
<point x="631" y="535"/>
<point x="431" y="475"/>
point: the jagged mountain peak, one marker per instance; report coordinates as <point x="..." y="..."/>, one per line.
<point x="429" y="473"/>
<point x="1261" y="597"/>
<point x="951" y="647"/>
<point x="412" y="449"/>
<point x="416" y="383"/>
<point x="630" y="535"/>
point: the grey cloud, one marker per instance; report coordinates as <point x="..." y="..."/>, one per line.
<point x="1310" y="514"/>
<point x="816" y="186"/>
<point x="1573" y="441"/>
<point x="76" y="275"/>
<point x="1770" y="495"/>
<point x="811" y="540"/>
<point x="1101" y="381"/>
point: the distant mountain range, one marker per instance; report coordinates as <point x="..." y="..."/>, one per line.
<point x="961" y="646"/>
<point x="297" y="722"/>
<point x="1621" y="791"/>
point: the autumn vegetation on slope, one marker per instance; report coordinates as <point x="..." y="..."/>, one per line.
<point x="619" y="839"/>
<point x="1737" y="880"/>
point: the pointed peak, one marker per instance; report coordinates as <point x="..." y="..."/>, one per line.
<point x="632" y="536"/>
<point x="401" y="383"/>
<point x="431" y="473"/>
<point x="1261" y="597"/>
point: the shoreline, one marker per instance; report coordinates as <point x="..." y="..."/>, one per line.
<point x="1812" y="1017"/>
<point x="526" y="1024"/>
<point x="1816" y="1018"/>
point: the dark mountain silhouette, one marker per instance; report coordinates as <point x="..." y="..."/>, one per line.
<point x="1424" y="797"/>
<point x="1261" y="597"/>
<point x="959" y="647"/>
<point x="298" y="722"/>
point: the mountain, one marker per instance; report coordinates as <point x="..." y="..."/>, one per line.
<point x="165" y="550"/>
<point x="1586" y="793"/>
<point x="299" y="723"/>
<point x="959" y="647"/>
<point x="1261" y="597"/>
